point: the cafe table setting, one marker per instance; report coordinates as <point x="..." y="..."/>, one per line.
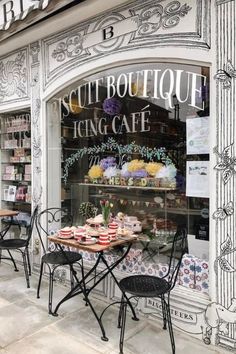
<point x="97" y="237"/>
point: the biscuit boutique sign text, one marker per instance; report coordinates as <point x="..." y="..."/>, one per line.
<point x="11" y="11"/>
<point x="149" y="84"/>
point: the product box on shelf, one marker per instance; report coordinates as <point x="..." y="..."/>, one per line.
<point x="21" y="193"/>
<point x="26" y="143"/>
<point x="28" y="198"/>
<point x="19" y="123"/>
<point x="9" y="169"/>
<point x="28" y="195"/>
<point x="9" y="193"/>
<point x="14" y="159"/>
<point x="5" y="193"/>
<point x="27" y="177"/>
<point x="28" y="169"/>
<point x="19" y="177"/>
<point x="10" y="143"/>
<point x="8" y="177"/>
<point x="20" y="152"/>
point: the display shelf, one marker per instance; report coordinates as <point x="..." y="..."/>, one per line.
<point x="127" y="187"/>
<point x="15" y="132"/>
<point x="14" y="148"/>
<point x="15" y="202"/>
<point x="19" y="181"/>
<point x="18" y="162"/>
<point x="183" y="211"/>
<point x="16" y="145"/>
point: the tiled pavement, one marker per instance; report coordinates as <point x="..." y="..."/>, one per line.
<point x="26" y="327"/>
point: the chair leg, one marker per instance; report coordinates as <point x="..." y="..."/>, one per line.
<point x="51" y="275"/>
<point x="83" y="281"/>
<point x="171" y="333"/>
<point x="163" y="311"/>
<point x="28" y="260"/>
<point x="72" y="282"/>
<point x="120" y="312"/>
<point x="13" y="261"/>
<point x="40" y="279"/>
<point x="123" y="321"/>
<point x="26" y="269"/>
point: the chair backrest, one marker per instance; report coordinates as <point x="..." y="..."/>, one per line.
<point x="30" y="227"/>
<point x="50" y="220"/>
<point x="178" y="249"/>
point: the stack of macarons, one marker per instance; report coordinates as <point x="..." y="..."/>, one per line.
<point x="112" y="231"/>
<point x="104" y="238"/>
<point x="66" y="232"/>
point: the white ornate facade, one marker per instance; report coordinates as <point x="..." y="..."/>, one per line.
<point x="178" y="31"/>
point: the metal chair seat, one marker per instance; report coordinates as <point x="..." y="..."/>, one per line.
<point x="144" y="285"/>
<point x="48" y="221"/>
<point x="147" y="286"/>
<point x="61" y="257"/>
<point x="12" y="244"/>
<point x="21" y="245"/>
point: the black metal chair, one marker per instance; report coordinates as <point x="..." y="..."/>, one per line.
<point x="21" y="245"/>
<point x="147" y="286"/>
<point x="48" y="222"/>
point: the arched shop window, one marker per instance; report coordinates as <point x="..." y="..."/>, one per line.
<point x="137" y="136"/>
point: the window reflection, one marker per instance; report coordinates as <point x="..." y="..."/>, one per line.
<point x="123" y="138"/>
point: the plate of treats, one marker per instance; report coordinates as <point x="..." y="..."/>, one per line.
<point x="124" y="232"/>
<point x="93" y="232"/>
<point x="97" y="220"/>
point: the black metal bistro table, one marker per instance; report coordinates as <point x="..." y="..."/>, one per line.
<point x="81" y="286"/>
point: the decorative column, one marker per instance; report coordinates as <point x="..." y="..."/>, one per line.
<point x="36" y="136"/>
<point x="225" y="168"/>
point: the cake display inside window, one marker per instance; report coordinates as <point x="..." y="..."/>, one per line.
<point x="136" y="138"/>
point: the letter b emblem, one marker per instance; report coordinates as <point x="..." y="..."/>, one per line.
<point x="108" y="33"/>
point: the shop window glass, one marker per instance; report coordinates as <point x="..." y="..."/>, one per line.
<point x="138" y="136"/>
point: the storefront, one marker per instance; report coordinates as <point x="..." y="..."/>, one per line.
<point x="132" y="103"/>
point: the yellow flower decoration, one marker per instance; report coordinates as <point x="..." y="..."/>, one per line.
<point x="95" y="172"/>
<point x="136" y="165"/>
<point x="153" y="167"/>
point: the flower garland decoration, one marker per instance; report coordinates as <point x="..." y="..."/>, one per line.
<point x="112" y="145"/>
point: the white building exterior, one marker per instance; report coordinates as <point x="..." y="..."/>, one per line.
<point x="38" y="59"/>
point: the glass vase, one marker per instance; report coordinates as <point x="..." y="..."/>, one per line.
<point x="106" y="217"/>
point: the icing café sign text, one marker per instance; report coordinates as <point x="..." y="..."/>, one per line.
<point x="153" y="85"/>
